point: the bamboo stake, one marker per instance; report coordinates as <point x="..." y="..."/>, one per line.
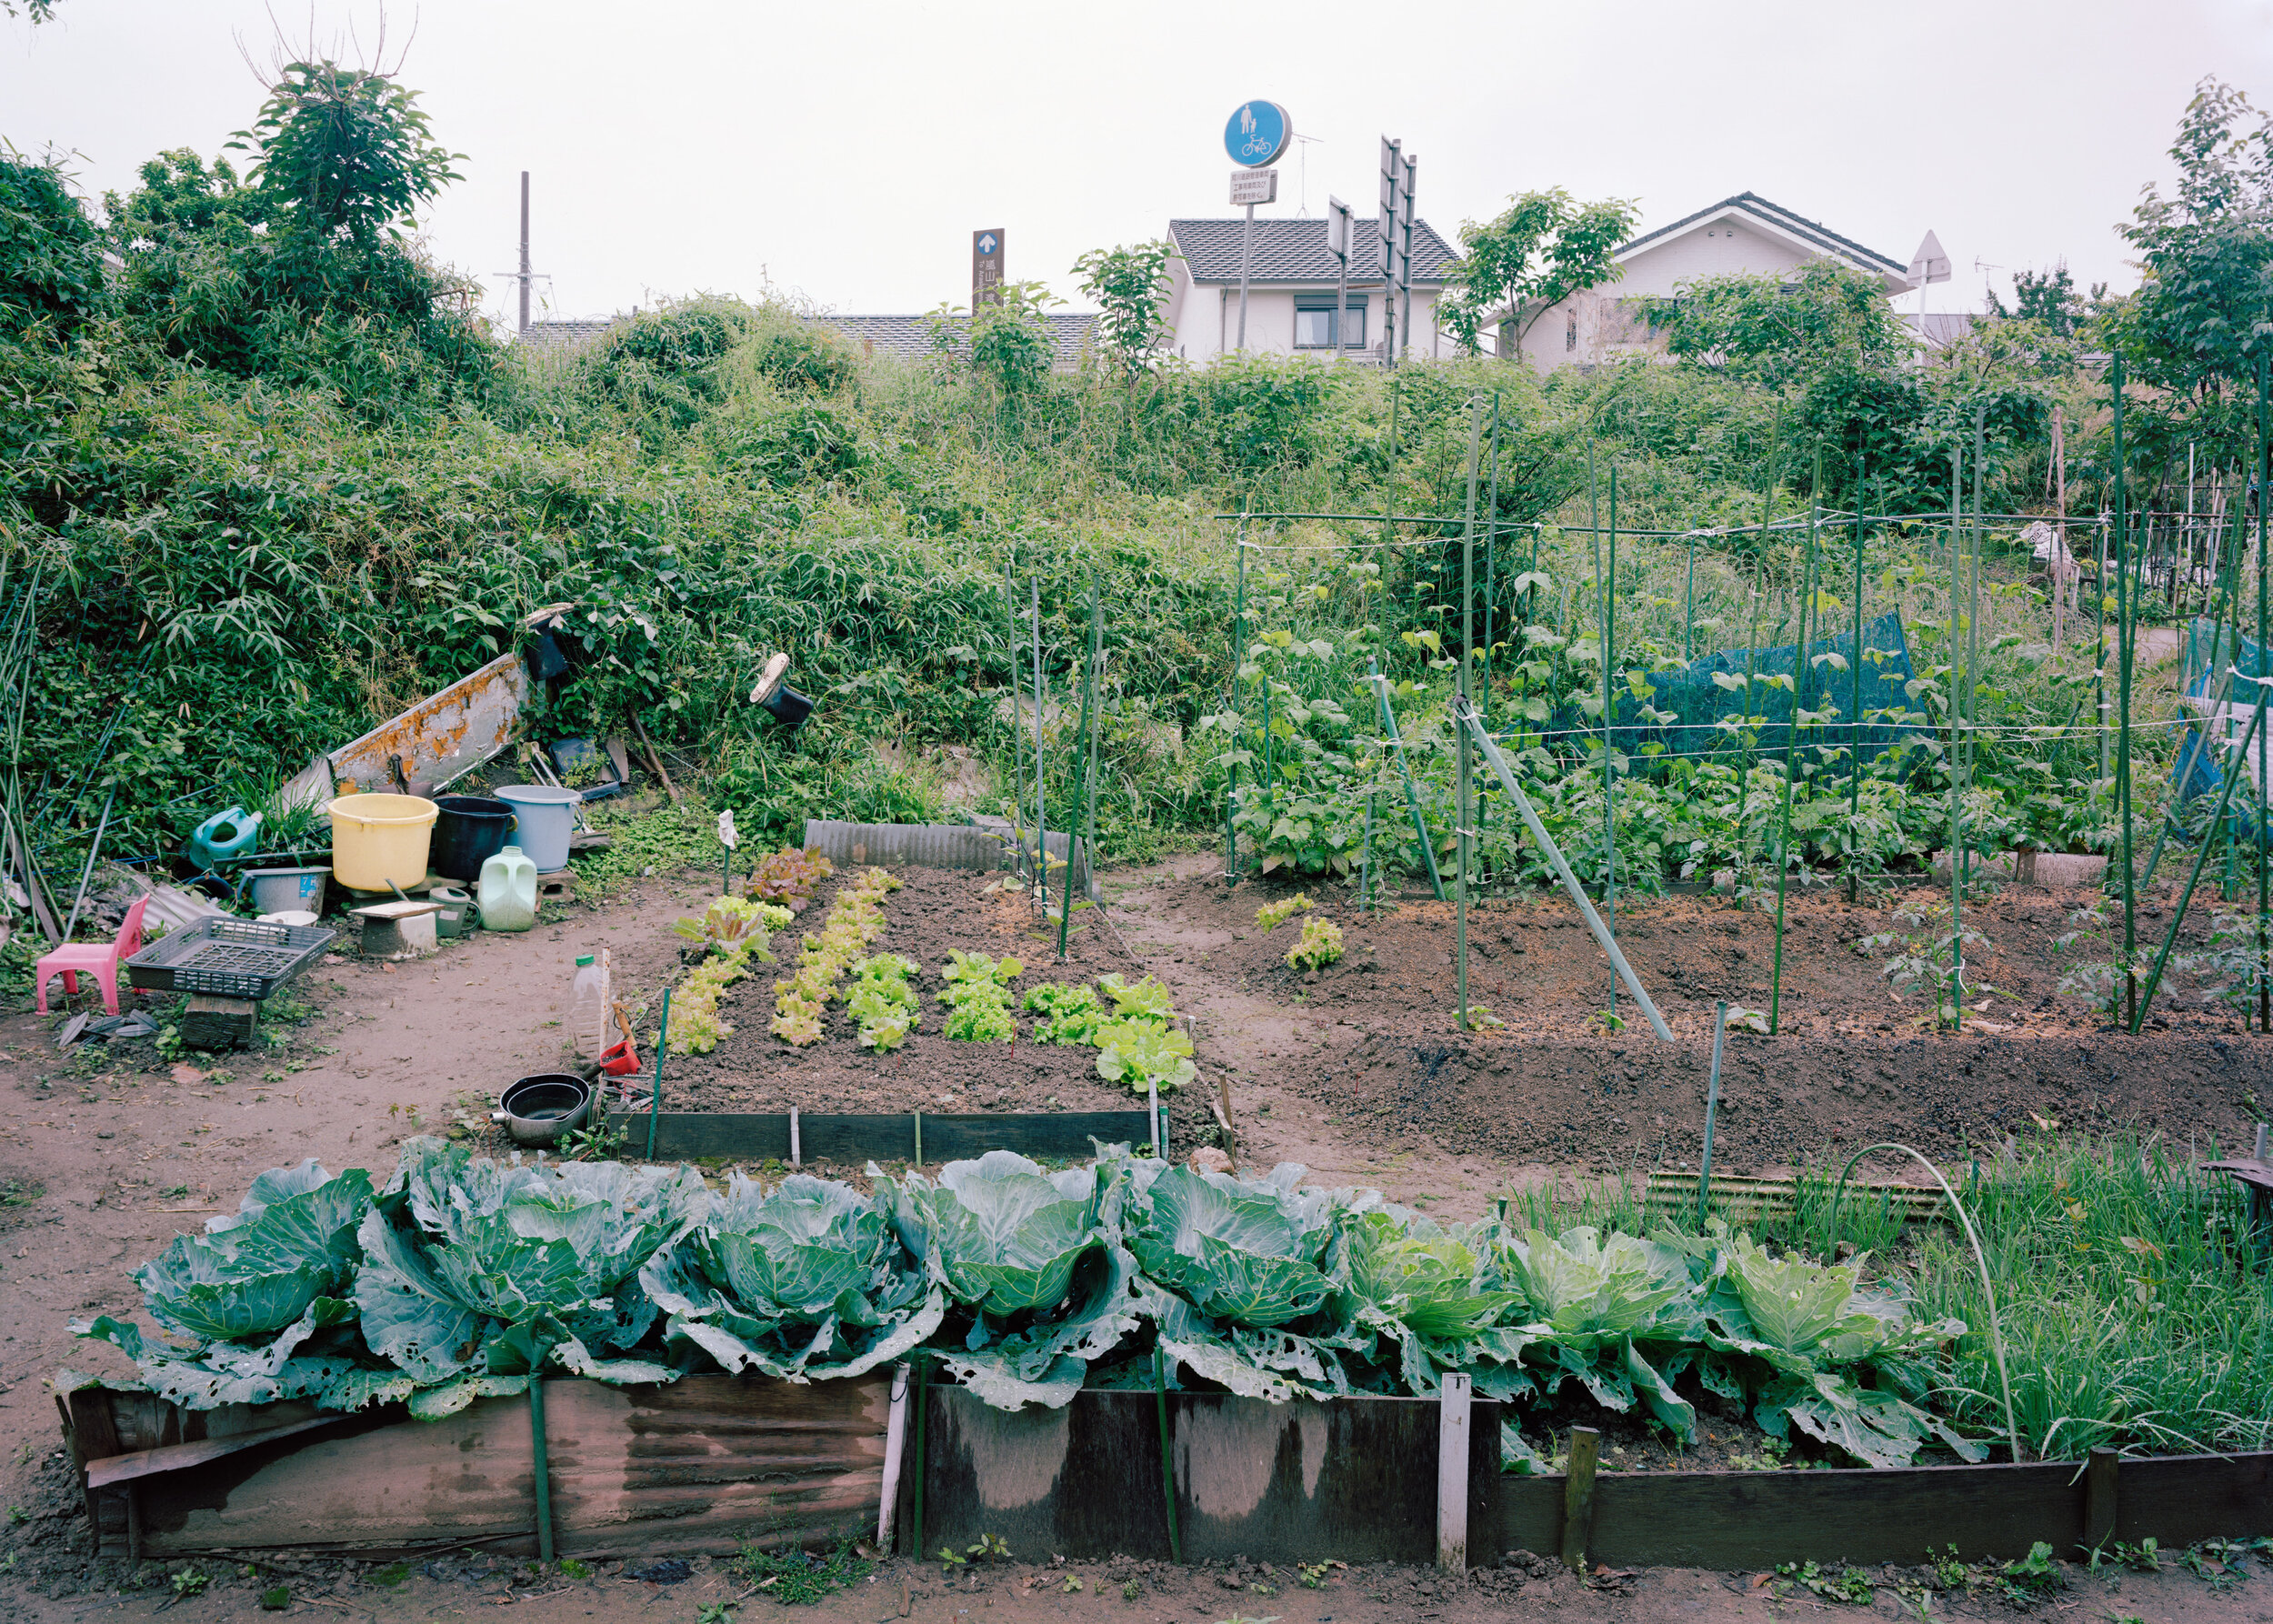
<point x="1957" y="748"/>
<point x="2239" y="766"/>
<point x="1085" y="774"/>
<point x="1854" y="694"/>
<point x="1041" y="806"/>
<point x="1791" y="745"/>
<point x="1238" y="642"/>
<point x="1018" y="690"/>
<point x="1609" y="710"/>
<point x="1412" y="796"/>
<point x="2265" y="496"/>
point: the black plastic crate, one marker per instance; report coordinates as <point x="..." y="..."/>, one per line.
<point x="233" y="958"/>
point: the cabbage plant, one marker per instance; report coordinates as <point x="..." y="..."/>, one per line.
<point x="1033" y="1261"/>
<point x="477" y="1274"/>
<point x="247" y="1295"/>
<point x="806" y="1282"/>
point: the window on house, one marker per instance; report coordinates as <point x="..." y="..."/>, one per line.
<point x="1314" y="323"/>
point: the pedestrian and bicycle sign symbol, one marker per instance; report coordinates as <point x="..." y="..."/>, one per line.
<point x="1256" y="134"/>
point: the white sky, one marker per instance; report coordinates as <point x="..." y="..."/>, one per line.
<point x="846" y="151"/>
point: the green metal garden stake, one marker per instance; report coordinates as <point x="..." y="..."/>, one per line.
<point x="1412" y="796"/>
<point x="1168" y="1452"/>
<point x="2123" y="691"/>
<point x="1231" y="775"/>
<point x="1712" y="1109"/>
<point x="1689" y="610"/>
<point x="1855" y="699"/>
<point x="1491" y="551"/>
<point x="2265" y="497"/>
<point x="1956" y="746"/>
<point x="1791" y="746"/>
<point x="662" y="1042"/>
<point x="2239" y="766"/>
<point x="543" y="1471"/>
<point x="1609" y="769"/>
<point x="1086" y="747"/>
<point x="923" y="1392"/>
<point x="1463" y="788"/>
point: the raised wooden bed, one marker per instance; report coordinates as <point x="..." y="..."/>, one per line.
<point x="903" y="1135"/>
<point x="710" y="1462"/>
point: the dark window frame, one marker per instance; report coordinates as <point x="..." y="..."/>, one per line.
<point x="1353" y="304"/>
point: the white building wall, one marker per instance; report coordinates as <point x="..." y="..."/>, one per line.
<point x="1605" y="328"/>
<point x="1204" y="319"/>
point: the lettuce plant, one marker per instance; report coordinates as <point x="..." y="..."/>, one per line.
<point x="1320" y="945"/>
<point x="1068" y="1015"/>
<point x="788" y="877"/>
<point x="806" y="1282"/>
<point x="883" y="1005"/>
<point x="977" y="999"/>
<point x="1137" y="1051"/>
<point x="1272" y="915"/>
<point x="855" y="919"/>
<point x="1031" y="1260"/>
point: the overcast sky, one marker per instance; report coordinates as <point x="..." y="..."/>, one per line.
<point x="845" y="151"/>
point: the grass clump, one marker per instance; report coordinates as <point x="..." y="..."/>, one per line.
<point x="1320" y="945"/>
<point x="798" y="1577"/>
<point x="978" y="997"/>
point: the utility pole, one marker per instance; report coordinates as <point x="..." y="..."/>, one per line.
<point x="525" y="252"/>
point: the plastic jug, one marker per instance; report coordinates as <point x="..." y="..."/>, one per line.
<point x="508" y="891"/>
<point x="589" y="995"/>
<point x="223" y="835"/>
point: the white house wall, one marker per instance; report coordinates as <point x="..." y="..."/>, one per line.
<point x="1605" y="327"/>
<point x="1205" y="318"/>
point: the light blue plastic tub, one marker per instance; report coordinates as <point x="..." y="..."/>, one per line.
<point x="547" y="818"/>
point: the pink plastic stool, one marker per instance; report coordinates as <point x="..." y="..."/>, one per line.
<point x="99" y="959"/>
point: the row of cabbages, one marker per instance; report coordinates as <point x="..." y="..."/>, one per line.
<point x="463" y="1276"/>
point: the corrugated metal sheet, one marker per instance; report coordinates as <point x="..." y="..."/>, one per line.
<point x="932" y="846"/>
<point x="440" y="737"/>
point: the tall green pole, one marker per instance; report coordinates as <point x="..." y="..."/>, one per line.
<point x="1791" y="746"/>
<point x="2265" y="494"/>
<point x="1465" y="835"/>
<point x="1956" y="733"/>
<point x="1085" y="764"/>
<point x="1688" y="611"/>
<point x="1973" y="613"/>
<point x="1610" y="771"/>
<point x="2123" y="703"/>
<point x="1231" y="776"/>
<point x="1491" y="551"/>
<point x="1855" y="696"/>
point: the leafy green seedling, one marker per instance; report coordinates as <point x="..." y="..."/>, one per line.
<point x="1272" y="915"/>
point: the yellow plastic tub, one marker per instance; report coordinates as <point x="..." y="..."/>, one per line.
<point x="381" y="839"/>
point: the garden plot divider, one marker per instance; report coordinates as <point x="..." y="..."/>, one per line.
<point x="912" y="1137"/>
<point x="709" y="1463"/>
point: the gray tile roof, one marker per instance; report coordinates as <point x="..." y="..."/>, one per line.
<point x="566" y="335"/>
<point x="910" y="335"/>
<point x="1296" y="251"/>
<point x="1810" y="231"/>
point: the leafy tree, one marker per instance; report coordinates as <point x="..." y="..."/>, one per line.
<point x="1783" y="331"/>
<point x="51" y="255"/>
<point x="344" y="151"/>
<point x="1010" y="341"/>
<point x="2204" y="308"/>
<point x="1131" y="287"/>
<point x="1542" y="248"/>
<point x="2048" y="299"/>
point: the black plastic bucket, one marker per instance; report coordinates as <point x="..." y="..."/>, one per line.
<point x="472" y="830"/>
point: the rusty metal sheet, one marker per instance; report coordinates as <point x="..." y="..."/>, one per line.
<point x="441" y="737"/>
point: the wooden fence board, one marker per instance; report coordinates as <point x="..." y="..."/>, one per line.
<point x="1351" y="1480"/>
<point x="702" y="1464"/>
<point x="737" y="1136"/>
<point x="2181" y="1498"/>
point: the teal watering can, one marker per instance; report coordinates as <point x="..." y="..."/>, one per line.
<point x="221" y="837"/>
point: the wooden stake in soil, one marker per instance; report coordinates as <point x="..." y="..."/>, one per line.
<point x="662" y="1042"/>
<point x="543" y="1473"/>
<point x="1585" y="1447"/>
<point x="2099" y="1501"/>
<point x="1453" y="1399"/>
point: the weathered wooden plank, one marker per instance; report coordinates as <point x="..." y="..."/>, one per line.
<point x="175" y="1458"/>
<point x="1350" y="1479"/>
<point x="850" y="1141"/>
<point x="2182" y="1498"/>
<point x="703" y="1464"/>
<point x="1756" y="1519"/>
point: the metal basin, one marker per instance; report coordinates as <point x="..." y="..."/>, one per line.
<point x="538" y="1110"/>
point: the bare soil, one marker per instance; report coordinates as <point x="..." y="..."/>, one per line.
<point x="105" y="1153"/>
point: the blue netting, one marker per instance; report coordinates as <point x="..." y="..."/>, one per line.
<point x="1698" y="703"/>
<point x="2210" y="647"/>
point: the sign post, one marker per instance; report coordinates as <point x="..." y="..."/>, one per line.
<point x="1399" y="174"/>
<point x="1255" y="136"/>
<point x="1930" y="264"/>
<point x="1337" y="244"/>
<point x="986" y="258"/>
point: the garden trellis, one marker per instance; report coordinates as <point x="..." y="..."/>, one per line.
<point x="1834" y="691"/>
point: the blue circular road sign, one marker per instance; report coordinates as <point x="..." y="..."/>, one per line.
<point x="1257" y="134"/>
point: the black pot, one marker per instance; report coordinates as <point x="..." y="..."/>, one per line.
<point x="537" y="1110"/>
<point x="472" y="830"/>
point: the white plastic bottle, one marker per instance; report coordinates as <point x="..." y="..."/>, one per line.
<point x="588" y="998"/>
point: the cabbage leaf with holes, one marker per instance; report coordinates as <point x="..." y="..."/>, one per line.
<point x="1032" y="1261"/>
<point x="477" y="1274"/>
<point x="805" y="1282"/>
<point x="248" y="1296"/>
